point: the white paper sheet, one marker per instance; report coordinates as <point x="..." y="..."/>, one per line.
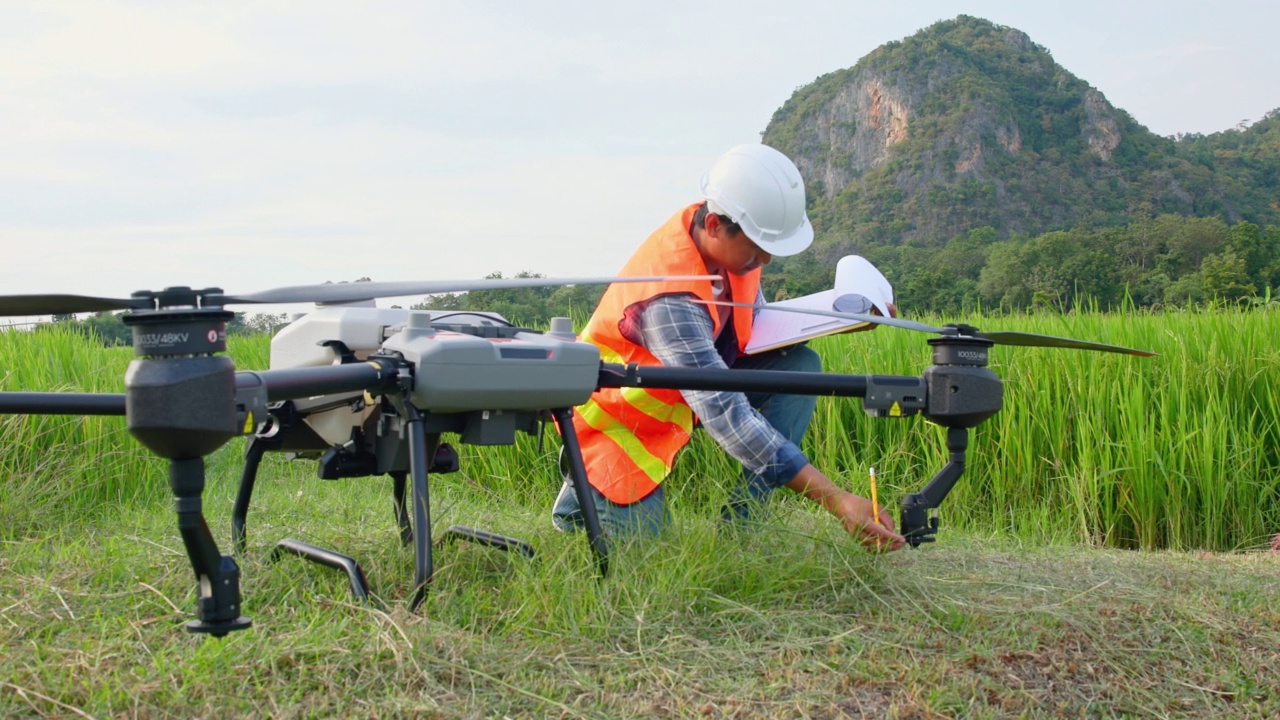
<point x="859" y="287"/>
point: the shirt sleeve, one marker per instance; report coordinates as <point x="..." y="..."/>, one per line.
<point x="678" y="332"/>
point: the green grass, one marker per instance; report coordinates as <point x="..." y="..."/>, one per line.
<point x="789" y="620"/>
<point x="56" y="468"/>
<point x="1026" y="607"/>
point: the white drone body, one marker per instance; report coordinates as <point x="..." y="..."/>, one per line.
<point x="360" y="329"/>
<point x="464" y="362"/>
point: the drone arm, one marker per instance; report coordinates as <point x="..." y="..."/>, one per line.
<point x="58" y="403"/>
<point x="917" y="526"/>
<point x="255" y="390"/>
<point x="378" y="373"/>
<point x="882" y="395"/>
<point x="778" y="381"/>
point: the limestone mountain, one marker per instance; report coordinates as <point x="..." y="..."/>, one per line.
<point x="968" y="125"/>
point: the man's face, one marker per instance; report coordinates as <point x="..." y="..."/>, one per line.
<point x="734" y="253"/>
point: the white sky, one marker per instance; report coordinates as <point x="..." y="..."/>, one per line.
<point x="250" y="145"/>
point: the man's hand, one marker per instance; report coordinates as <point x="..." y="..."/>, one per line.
<point x="873" y="530"/>
<point x="854" y="512"/>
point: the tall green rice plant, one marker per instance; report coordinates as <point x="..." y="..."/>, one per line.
<point x="1174" y="451"/>
<point x="1181" y="450"/>
<point x="52" y="467"/>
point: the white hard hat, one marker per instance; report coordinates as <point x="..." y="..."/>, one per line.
<point x="760" y="189"/>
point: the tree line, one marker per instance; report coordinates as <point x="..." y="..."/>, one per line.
<point x="1165" y="260"/>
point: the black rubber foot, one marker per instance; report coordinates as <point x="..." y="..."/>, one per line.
<point x="219" y="629"/>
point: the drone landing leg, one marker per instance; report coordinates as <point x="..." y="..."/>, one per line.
<point x="917" y="526"/>
<point x="252" y="458"/>
<point x="218" y="607"/>
<point x="418" y="464"/>
<point x="398" y="484"/>
<point x="586" y="501"/>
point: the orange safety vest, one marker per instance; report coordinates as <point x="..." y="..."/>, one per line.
<point x="630" y="436"/>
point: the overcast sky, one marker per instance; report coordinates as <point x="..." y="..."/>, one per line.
<point x="249" y="145"/>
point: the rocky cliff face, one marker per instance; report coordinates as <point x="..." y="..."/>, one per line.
<point x="863" y="121"/>
<point x="966" y="122"/>
<point x="1100" y="130"/>
<point x="875" y="109"/>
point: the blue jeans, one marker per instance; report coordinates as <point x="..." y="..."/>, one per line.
<point x="788" y="414"/>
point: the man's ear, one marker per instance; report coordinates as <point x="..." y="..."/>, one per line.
<point x="711" y="222"/>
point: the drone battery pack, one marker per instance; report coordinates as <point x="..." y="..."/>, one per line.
<point x="464" y="362"/>
<point x="460" y="372"/>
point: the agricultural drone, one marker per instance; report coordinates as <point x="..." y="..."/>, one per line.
<point x="371" y="391"/>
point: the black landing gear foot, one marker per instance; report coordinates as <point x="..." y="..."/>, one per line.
<point x="328" y="558"/>
<point x="490" y="539"/>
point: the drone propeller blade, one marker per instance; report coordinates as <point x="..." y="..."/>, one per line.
<point x="354" y="292"/>
<point x="859" y="317"/>
<point x="61" y="304"/>
<point x="1033" y="340"/>
<point x="999" y="338"/>
<point x="51" y="304"/>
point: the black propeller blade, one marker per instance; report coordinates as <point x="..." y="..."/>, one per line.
<point x="1034" y="340"/>
<point x="62" y="304"/>
<point x="331" y="293"/>
<point x="999" y="337"/>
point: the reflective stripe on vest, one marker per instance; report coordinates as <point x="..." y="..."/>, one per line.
<point x="630" y="436"/>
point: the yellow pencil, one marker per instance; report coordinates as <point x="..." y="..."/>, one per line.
<point x="875" y="505"/>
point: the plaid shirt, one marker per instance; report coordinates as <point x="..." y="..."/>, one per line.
<point x="678" y="332"/>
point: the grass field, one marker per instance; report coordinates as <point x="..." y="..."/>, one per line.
<point x="1104" y="556"/>
<point x="790" y="621"/>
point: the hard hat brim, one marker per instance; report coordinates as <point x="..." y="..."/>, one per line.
<point x="793" y="244"/>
